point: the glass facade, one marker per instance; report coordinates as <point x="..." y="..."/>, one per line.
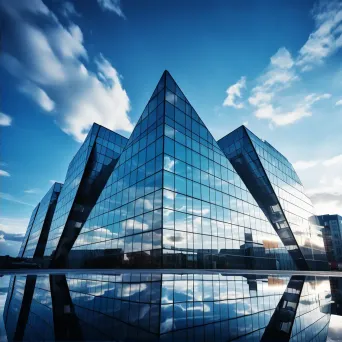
<point x="38" y="229"/>
<point x="171" y="307"/>
<point x="277" y="189"/>
<point x="171" y="196"/>
<point x="86" y="176"/>
<point x="174" y="200"/>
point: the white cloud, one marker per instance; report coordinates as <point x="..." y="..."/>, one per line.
<point x="5" y="120"/>
<point x="283" y="70"/>
<point x="10" y="198"/>
<point x="339" y="103"/>
<point x="53" y="62"/>
<point x="334" y="160"/>
<point x="32" y="191"/>
<point x="303" y="165"/>
<point x="281" y="117"/>
<point x="327" y="37"/>
<point x="39" y="96"/>
<point x="112" y="6"/>
<point x="282" y="59"/>
<point x="234" y="92"/>
<point x="52" y="181"/>
<point x="4" y="173"/>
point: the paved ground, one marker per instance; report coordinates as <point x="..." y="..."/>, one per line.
<point x="172" y="271"/>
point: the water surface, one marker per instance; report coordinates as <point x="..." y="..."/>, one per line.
<point x="123" y="305"/>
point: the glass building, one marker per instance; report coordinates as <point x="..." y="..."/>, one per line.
<point x="35" y="239"/>
<point x="86" y="176"/>
<point x="275" y="186"/>
<point x="168" y="307"/>
<point x="332" y="234"/>
<point x="170" y="196"/>
<point x="175" y="201"/>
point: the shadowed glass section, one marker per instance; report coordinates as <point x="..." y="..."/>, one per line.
<point x="143" y="306"/>
<point x="277" y="189"/>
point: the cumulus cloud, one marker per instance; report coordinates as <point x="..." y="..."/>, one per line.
<point x="112" y="6"/>
<point x="339" y="103"/>
<point x="281" y="117"/>
<point x="326" y="39"/>
<point x="234" y="93"/>
<point x="4" y="173"/>
<point x="5" y="120"/>
<point x="280" y="75"/>
<point x="12" y="225"/>
<point x="323" y="183"/>
<point x="11" y="237"/>
<point x="51" y="61"/>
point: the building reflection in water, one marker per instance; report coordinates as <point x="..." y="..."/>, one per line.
<point x="167" y="307"/>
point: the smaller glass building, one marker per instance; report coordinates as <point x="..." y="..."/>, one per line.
<point x="276" y="187"/>
<point x="87" y="174"/>
<point x="332" y="234"/>
<point x="39" y="225"/>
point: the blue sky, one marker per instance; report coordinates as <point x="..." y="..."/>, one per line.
<point x="275" y="66"/>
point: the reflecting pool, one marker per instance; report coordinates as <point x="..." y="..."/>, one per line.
<point x="162" y="306"/>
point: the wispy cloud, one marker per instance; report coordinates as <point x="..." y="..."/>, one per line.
<point x="52" y="181"/>
<point x="32" y="191"/>
<point x="4" y="173"/>
<point x="68" y="9"/>
<point x="112" y="6"/>
<point x="5" y="120"/>
<point x="333" y="161"/>
<point x="38" y="95"/>
<point x="10" y="198"/>
<point x="274" y="96"/>
<point x="234" y="93"/>
<point x="305" y="164"/>
<point x="339" y="103"/>
<point x="326" y="39"/>
<point x="53" y="61"/>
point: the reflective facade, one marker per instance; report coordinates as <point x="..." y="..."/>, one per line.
<point x="170" y="196"/>
<point x="277" y="189"/>
<point x="175" y="201"/>
<point x="85" y="178"/>
<point x="39" y="225"/>
<point x="170" y="307"/>
<point x="332" y="234"/>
